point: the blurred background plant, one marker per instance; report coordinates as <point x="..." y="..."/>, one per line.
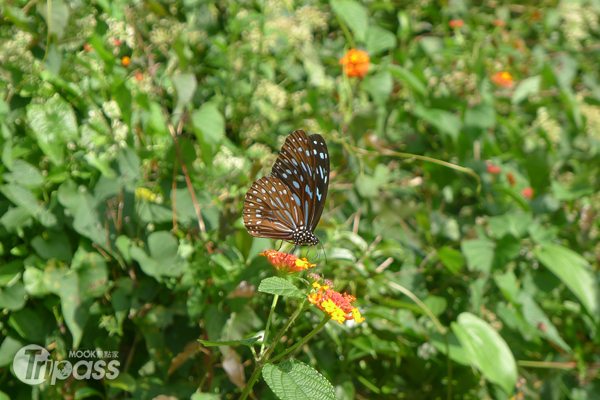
<point x="114" y="110"/>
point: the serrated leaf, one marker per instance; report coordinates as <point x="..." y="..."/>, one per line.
<point x="294" y="380"/>
<point x="354" y="14"/>
<point x="245" y="342"/>
<point x="487" y="350"/>
<point x="280" y="286"/>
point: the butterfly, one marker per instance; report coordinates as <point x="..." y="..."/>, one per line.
<point x="288" y="204"/>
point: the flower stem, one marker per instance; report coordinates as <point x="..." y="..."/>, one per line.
<point x="265" y="336"/>
<point x="265" y="356"/>
<point x="305" y="339"/>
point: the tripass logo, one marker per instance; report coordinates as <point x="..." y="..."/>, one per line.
<point x="33" y="365"/>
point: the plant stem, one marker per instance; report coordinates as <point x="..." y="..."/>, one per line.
<point x="265" y="357"/>
<point x="252" y="381"/>
<point x="305" y="339"/>
<point x="265" y="336"/>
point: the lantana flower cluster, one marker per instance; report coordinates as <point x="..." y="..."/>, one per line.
<point x="355" y="63"/>
<point x="288" y="263"/>
<point x="338" y="305"/>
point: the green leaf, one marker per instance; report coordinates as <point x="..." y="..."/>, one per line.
<point x="8" y="350"/>
<point x="354" y="14"/>
<point x="294" y="380"/>
<point x="83" y="208"/>
<point x="26" y="174"/>
<point x="515" y="224"/>
<point x="379" y="86"/>
<point x="13" y="297"/>
<point x="54" y="124"/>
<point x="205" y="396"/>
<point x="123" y="381"/>
<point x="536" y="318"/>
<point x="526" y="88"/>
<point x="487" y="350"/>
<point x="379" y="40"/>
<point x="209" y="124"/>
<point x="56" y="14"/>
<point x="85" y="392"/>
<point x="452" y="259"/>
<point x="29" y="325"/>
<point x="55" y="245"/>
<point x="409" y="78"/>
<point x="479" y="253"/>
<point x="246" y="342"/>
<point x="573" y="270"/>
<point x="280" y="286"/>
<point x="444" y="121"/>
<point x="25" y="199"/>
<point x="9" y="272"/>
<point x="457" y="353"/>
<point x="481" y="116"/>
<point x="163" y="259"/>
<point x="33" y="278"/>
<point x="185" y="86"/>
<point x="562" y="193"/>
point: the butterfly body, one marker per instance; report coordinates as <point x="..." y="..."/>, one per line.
<point x="288" y="204"/>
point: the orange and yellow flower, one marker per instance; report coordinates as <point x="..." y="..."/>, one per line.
<point x="125" y="61"/>
<point x="337" y="305"/>
<point x="503" y="79"/>
<point x="285" y="262"/>
<point x="355" y="63"/>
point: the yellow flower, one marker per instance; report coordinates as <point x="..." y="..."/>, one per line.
<point x="503" y="79"/>
<point x="337" y="305"/>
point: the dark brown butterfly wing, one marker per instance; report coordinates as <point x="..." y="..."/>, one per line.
<point x="270" y="211"/>
<point x="303" y="166"/>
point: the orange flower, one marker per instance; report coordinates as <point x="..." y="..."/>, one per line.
<point x="527" y="193"/>
<point x="503" y="79"/>
<point x="337" y="305"/>
<point x="285" y="262"/>
<point x="139" y="76"/>
<point x="456" y="23"/>
<point x="355" y="63"/>
<point x="88" y="47"/>
<point x="498" y="22"/>
<point x="125" y="60"/>
<point x="511" y="179"/>
<point x="493" y="169"/>
<point x="117" y="42"/>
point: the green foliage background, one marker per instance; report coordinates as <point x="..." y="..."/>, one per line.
<point x="100" y="243"/>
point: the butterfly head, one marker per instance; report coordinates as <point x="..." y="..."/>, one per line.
<point x="302" y="236"/>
